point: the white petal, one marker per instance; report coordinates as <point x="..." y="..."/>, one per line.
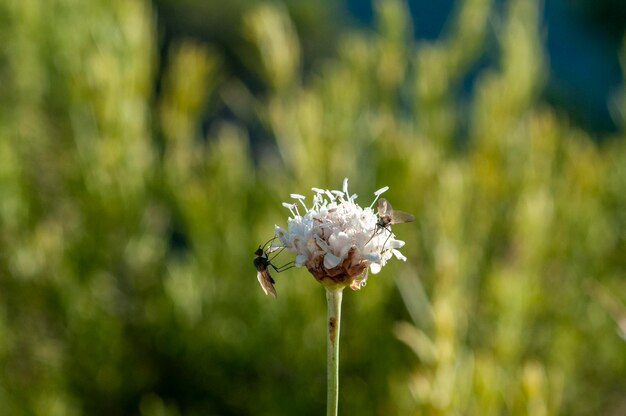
<point x="344" y="250"/>
<point x="282" y="235"/>
<point x="339" y="240"/>
<point x="385" y="255"/>
<point x="297" y="196"/>
<point x="321" y="243"/>
<point x="299" y="244"/>
<point x="375" y="268"/>
<point x="395" y="244"/>
<point x="300" y="260"/>
<point x="399" y="255"/>
<point x="330" y="260"/>
<point x="345" y="186"/>
<point x="373" y="257"/>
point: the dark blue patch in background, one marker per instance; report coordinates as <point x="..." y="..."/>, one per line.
<point x="582" y="52"/>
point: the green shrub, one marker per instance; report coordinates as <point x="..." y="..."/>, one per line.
<point x="127" y="229"/>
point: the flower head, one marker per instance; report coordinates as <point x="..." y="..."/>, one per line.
<point x="336" y="239"/>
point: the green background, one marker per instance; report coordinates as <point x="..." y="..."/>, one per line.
<point x="136" y="182"/>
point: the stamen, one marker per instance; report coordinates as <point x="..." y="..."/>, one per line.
<point x="316" y="202"/>
<point x="379" y="193"/>
<point x="290" y="206"/>
<point x="300" y="198"/>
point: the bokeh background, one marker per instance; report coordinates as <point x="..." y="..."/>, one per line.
<point x="145" y="150"/>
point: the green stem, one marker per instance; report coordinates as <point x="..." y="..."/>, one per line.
<point x="333" y="300"/>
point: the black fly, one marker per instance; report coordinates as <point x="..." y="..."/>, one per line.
<point x="388" y="216"/>
<point x="262" y="263"/>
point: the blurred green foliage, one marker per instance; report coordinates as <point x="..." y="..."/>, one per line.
<point x="127" y="228"/>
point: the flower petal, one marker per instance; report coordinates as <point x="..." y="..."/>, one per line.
<point x="331" y="261"/>
<point x="375" y="268"/>
<point x="399" y="255"/>
<point x="300" y="260"/>
<point x="373" y="257"/>
<point x="395" y="244"/>
<point x="339" y="240"/>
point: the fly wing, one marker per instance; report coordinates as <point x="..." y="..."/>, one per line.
<point x="266" y="282"/>
<point x="386" y="212"/>
<point x="384" y="207"/>
<point x="400" y="217"/>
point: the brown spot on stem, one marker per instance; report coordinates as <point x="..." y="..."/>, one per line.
<point x="332" y="329"/>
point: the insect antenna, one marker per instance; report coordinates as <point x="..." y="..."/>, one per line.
<point x="268" y="242"/>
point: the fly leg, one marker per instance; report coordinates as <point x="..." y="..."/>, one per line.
<point x="284" y="267"/>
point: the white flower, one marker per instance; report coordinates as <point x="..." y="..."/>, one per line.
<point x="336" y="239"/>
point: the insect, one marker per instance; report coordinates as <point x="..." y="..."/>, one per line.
<point x="262" y="263"/>
<point x="388" y="216"/>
